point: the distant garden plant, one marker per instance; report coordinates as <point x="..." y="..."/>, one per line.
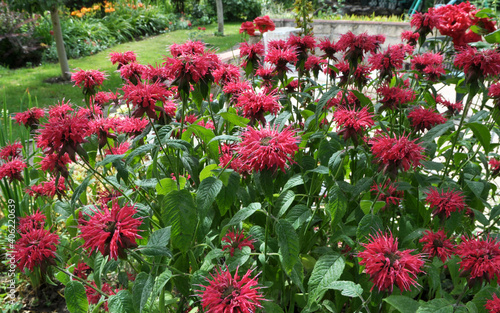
<point x="314" y="176"/>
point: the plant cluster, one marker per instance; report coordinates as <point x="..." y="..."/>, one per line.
<point x="196" y="188"/>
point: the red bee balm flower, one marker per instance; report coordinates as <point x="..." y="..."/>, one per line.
<point x="480" y="258"/>
<point x="478" y="65"/>
<point x="144" y="98"/>
<point x="495" y="167"/>
<point x="387" y="266"/>
<point x="30" y="118"/>
<point x="353" y="121"/>
<point x="227" y="294"/>
<point x="429" y="64"/>
<point x="256" y="104"/>
<point x="88" y="80"/>
<point x="30" y="222"/>
<point x="437" y="244"/>
<point x="111" y="231"/>
<point x="13" y="170"/>
<point x="236" y="240"/>
<point x="247" y="27"/>
<point x="11" y="151"/>
<point x="388" y="193"/>
<point x="422" y="118"/>
<point x="36" y="247"/>
<point x="444" y="203"/>
<point x="268" y="148"/>
<point x="356" y="46"/>
<point x="122" y="58"/>
<point x="264" y="24"/>
<point x="493" y="305"/>
<point x="395" y="153"/>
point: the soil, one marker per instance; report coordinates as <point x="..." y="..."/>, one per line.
<point x="57" y="80"/>
<point x="48" y="298"/>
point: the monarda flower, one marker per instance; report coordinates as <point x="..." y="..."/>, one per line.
<point x="494" y="93"/>
<point x="393" y="153"/>
<point x="389" y="61"/>
<point x="329" y="48"/>
<point x="226" y="73"/>
<point x="387" y="266"/>
<point x="281" y="59"/>
<point x="480" y="259"/>
<point x="36" y="248"/>
<point x="445" y="202"/>
<point x="425" y="118"/>
<point x="55" y="164"/>
<point x="88" y="81"/>
<point x="355" y="47"/>
<point x="60" y="110"/>
<point x="63" y="135"/>
<point x="429" y="65"/>
<point x="82" y="270"/>
<point x="144" y="97"/>
<point x="268" y="148"/>
<point x="122" y="58"/>
<point x="30" y="118"/>
<point x="393" y="98"/>
<point x="236" y="240"/>
<point x="104" y="97"/>
<point x="189" y="47"/>
<point x="111" y="231"/>
<point x="264" y="24"/>
<point x="93" y="297"/>
<point x="353" y="121"/>
<point x="410" y="37"/>
<point x="424" y="24"/>
<point x="11" y="151"/>
<point x="314" y="64"/>
<point x="131" y="126"/>
<point x="133" y="72"/>
<point x="453" y="107"/>
<point x="48" y="188"/>
<point x="256" y="104"/>
<point x="187" y="69"/>
<point x="32" y="221"/>
<point x="225" y="293"/>
<point x="154" y="73"/>
<point x="387" y="193"/>
<point x="493" y="304"/>
<point x="13" y="169"/>
<point x="478" y="64"/>
<point x="344" y="99"/>
<point x="494" y="167"/>
<point x="437" y="244"/>
<point x="302" y="45"/>
<point x="228" y="158"/>
<point x="247" y="27"/>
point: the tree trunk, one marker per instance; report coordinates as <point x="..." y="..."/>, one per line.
<point x="61" y="52"/>
<point x="220" y="17"/>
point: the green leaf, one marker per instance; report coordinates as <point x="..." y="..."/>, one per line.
<point x="493" y="37"/>
<point x="437" y="131"/>
<point x="206" y="135"/>
<point x="476" y="187"/>
<point x="146" y="291"/>
<point x="482" y="133"/>
<point x="370" y="223"/>
<point x="139" y="150"/>
<point x="366" y="206"/>
<point x="325" y="98"/>
<point x="225" y="137"/>
<point x="76" y="298"/>
<point x="109" y="159"/>
<point x="403" y="304"/>
<point x="179" y="212"/>
<point x="347" y="288"/>
<point x="207" y="171"/>
<point x="284" y="201"/>
<point x="241" y="215"/>
<point x="327" y="270"/>
<point x="365" y="101"/>
<point x="160" y="282"/>
<point x="271" y="307"/>
<point x="139" y="282"/>
<point x="335" y="162"/>
<point x="209" y="189"/>
<point x="281" y="120"/>
<point x="440" y="305"/>
<point x="337" y="204"/>
<point x="80" y="190"/>
<point x="121" y="302"/>
<point x="295" y="180"/>
<point x="289" y="245"/>
<point x="160" y="237"/>
<point x="235" y="119"/>
<point x="166" y="185"/>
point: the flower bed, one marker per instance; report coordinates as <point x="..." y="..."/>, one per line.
<point x="196" y="187"/>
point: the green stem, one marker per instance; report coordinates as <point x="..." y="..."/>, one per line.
<point x="81" y="280"/>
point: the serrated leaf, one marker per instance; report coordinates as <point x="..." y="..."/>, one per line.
<point x="295" y="180"/>
<point x="225" y="137"/>
<point x="241" y="215"/>
<point x="160" y="282"/>
<point x="121" y="302"/>
<point x="139" y="150"/>
<point x="160" y="237"/>
<point x="207" y="171"/>
<point x="476" y="187"/>
<point x="109" y="159"/>
<point x="235" y="119"/>
<point x="155" y="251"/>
<point x="335" y="162"/>
<point x="337" y="204"/>
<point x="366" y="206"/>
<point x="369" y="224"/>
<point x="179" y="212"/>
<point x="76" y="298"/>
<point x="284" y="201"/>
<point x="146" y="291"/>
<point x="436" y="306"/>
<point x="437" y="131"/>
<point x="325" y="98"/>
<point x="80" y="190"/>
<point x="166" y="185"/>
<point x="327" y="270"/>
<point x="347" y="288"/>
<point x="482" y="133"/>
<point x="493" y="37"/>
<point x="139" y="282"/>
<point x="289" y="245"/>
<point x="207" y="192"/>
<point x="281" y="120"/>
<point x="270" y="307"/>
<point x="403" y="304"/>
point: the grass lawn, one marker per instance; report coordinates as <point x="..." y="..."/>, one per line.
<point x="22" y="86"/>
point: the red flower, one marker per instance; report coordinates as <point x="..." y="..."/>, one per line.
<point x="424" y="23"/>
<point x="354" y="121"/>
<point x="478" y="65"/>
<point x="390" y="60"/>
<point x="55" y="163"/>
<point x="264" y="24"/>
<point x="280" y="58"/>
<point x="236" y="240"/>
<point x="301" y="44"/>
<point x="88" y="81"/>
<point x="247" y="27"/>
<point x="329" y="48"/>
<point x="30" y="222"/>
<point x="480" y="258"/>
<point x="154" y="73"/>
<point x="63" y="135"/>
<point x="81" y="270"/>
<point x="111" y="231"/>
<point x="267" y="148"/>
<point x="133" y="72"/>
<point x="189" y="69"/>
<point x="344" y="100"/>
<point x="103" y="97"/>
<point x="144" y="97"/>
<point x="314" y="64"/>
<point x="48" y="189"/>
<point x="30" y="118"/>
<point x="410" y="37"/>
<point x="236" y="88"/>
<point x="444" y="203"/>
<point x="395" y="97"/>
<point x="356" y="46"/>
<point x="131" y="125"/>
<point x="93" y="296"/>
<point x="226" y="73"/>
<point x="36" y="248"/>
<point x="429" y="64"/>
<point x="493" y="305"/>
<point x="437" y="244"/>
<point x="189" y="47"/>
<point x="227" y="156"/>
<point x="495" y="167"/>
<point x="122" y="58"/>
<point x="256" y="104"/>
<point x="388" y="266"/>
<point x="359" y="78"/>
<point x="494" y="93"/>
<point x="61" y="109"/>
<point x="11" y="151"/>
<point x="425" y="118"/>
<point x="395" y="153"/>
<point x="387" y="193"/>
<point x="453" y="108"/>
<point x="227" y="294"/>
<point x="13" y="170"/>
